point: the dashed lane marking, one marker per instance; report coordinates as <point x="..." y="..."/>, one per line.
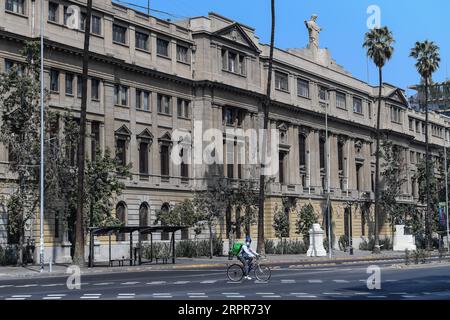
<point x="287" y="281"/>
<point x="130" y="283"/>
<point x="306" y="296"/>
<point x="126" y="295"/>
<point x="91" y="296"/>
<point x="208" y="281"/>
<point x="27" y="285"/>
<point x="157" y="282"/>
<point x="331" y="293"/>
<point x="15" y="299"/>
<point x="408" y="296"/>
<point x="103" y="284"/>
<point x="379" y="297"/>
<point x="181" y="282"/>
<point x="315" y="281"/>
<point x="362" y="293"/>
<point x="51" y="298"/>
<point x="21" y="296"/>
<point x="235" y="296"/>
<point x="6" y="286"/>
<point x="341" y="281"/>
<point x="272" y="296"/>
<point x="52" y="285"/>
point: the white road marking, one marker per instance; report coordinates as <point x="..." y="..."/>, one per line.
<point x="408" y="296"/>
<point x="376" y="297"/>
<point x="196" y="293"/>
<point x="91" y="296"/>
<point x="103" y="284"/>
<point x="181" y="282"/>
<point x="306" y="296"/>
<point x="298" y="293"/>
<point x="198" y="296"/>
<point x="130" y="283"/>
<point x="27" y="285"/>
<point x="362" y="293"/>
<point x="127" y="294"/>
<point x="399" y="293"/>
<point x="21" y="296"/>
<point x="57" y="295"/>
<point x="287" y="281"/>
<point x="235" y="296"/>
<point x="209" y="281"/>
<point x="390" y="280"/>
<point x="272" y="296"/>
<point x="315" y="281"/>
<point x="15" y="299"/>
<point x="156" y="282"/>
<point x="341" y="281"/>
<point x="230" y="293"/>
<point x="52" y="285"/>
<point x="265" y="293"/>
<point x="6" y="286"/>
<point x="332" y="293"/>
<point x="51" y="298"/>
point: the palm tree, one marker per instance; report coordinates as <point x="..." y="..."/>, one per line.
<point x="427" y="58"/>
<point x="260" y="244"/>
<point x="79" y="227"/>
<point x="378" y="43"/>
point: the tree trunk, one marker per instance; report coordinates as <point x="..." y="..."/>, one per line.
<point x="79" y="231"/>
<point x="427" y="173"/>
<point x="260" y="244"/>
<point x="211" y="248"/>
<point x="376" y="248"/>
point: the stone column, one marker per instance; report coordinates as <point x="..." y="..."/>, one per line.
<point x="351" y="167"/>
<point x="334" y="162"/>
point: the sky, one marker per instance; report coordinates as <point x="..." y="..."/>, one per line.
<point x="344" y="23"/>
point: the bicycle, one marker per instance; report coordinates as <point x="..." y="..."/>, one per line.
<point x="235" y="272"/>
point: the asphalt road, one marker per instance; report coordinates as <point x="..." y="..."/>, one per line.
<point x="344" y="282"/>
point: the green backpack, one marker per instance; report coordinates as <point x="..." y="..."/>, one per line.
<point x="234" y="251"/>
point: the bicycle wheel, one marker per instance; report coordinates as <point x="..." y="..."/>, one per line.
<point x="235" y="273"/>
<point x="262" y="273"/>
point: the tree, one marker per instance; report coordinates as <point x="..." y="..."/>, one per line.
<point x="427" y="58"/>
<point x="306" y="217"/>
<point x="183" y="214"/>
<point x="79" y="234"/>
<point x="378" y="43"/>
<point x="20" y="132"/>
<point x="394" y="177"/>
<point x="102" y="187"/>
<point x="266" y="104"/>
<point x="281" y="226"/>
<point x="245" y="196"/>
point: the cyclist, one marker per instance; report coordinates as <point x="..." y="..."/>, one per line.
<point x="246" y="256"/>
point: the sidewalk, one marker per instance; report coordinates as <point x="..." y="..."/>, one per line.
<point x="338" y="257"/>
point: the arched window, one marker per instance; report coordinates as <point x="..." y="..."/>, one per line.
<point x="165" y="207"/>
<point x="143" y="218"/>
<point x="121" y="215"/>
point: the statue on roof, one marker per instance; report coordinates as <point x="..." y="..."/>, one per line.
<point x="314" y="30"/>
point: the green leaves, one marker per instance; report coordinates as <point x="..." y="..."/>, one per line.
<point x="427" y="58"/>
<point x="306" y="218"/>
<point x="378" y="43"/>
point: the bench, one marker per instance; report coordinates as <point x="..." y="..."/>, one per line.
<point x="119" y="261"/>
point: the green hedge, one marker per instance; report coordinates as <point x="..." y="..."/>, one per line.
<point x="285" y="247"/>
<point x="385" y="243"/>
<point x="184" y="248"/>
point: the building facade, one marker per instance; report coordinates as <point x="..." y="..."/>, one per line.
<point x="149" y="78"/>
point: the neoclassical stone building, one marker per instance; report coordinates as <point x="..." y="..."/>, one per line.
<point x="150" y="77"/>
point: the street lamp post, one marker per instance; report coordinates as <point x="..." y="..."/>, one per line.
<point x="328" y="180"/>
<point x="41" y="179"/>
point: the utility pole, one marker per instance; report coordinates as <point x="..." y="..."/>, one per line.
<point x="41" y="178"/>
<point x="446" y="188"/>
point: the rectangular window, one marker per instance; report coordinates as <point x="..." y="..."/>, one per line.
<point x="323" y="94"/>
<point x="95" y="89"/>
<point x="232" y="62"/>
<point x="121" y="155"/>
<point x="182" y="108"/>
<point x="121" y="95"/>
<point x="412" y="157"/>
<point x="395" y="114"/>
<point x="138" y="99"/>
<point x="142" y="100"/>
<point x="119" y="34"/>
<point x="369" y="106"/>
<point x="141" y="41"/>
<point x="69" y="84"/>
<point x="82" y="21"/>
<point x="96" y="25"/>
<point x="164" y="160"/>
<point x="164" y="104"/>
<point x="303" y="88"/>
<point x="341" y="100"/>
<point x="230" y="158"/>
<point x="411" y="124"/>
<point x="242" y="65"/>
<point x="53" y="11"/>
<point x="16" y="6"/>
<point x="54" y="80"/>
<point x="162" y="47"/>
<point x="229" y="121"/>
<point x="79" y="86"/>
<point x="182" y="54"/>
<point x="184" y="166"/>
<point x="95" y="138"/>
<point x="281" y="81"/>
<point x="143" y="158"/>
<point x="357" y="105"/>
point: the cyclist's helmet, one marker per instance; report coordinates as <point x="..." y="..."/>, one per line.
<point x="248" y="239"/>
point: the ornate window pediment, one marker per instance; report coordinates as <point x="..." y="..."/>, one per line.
<point x="123" y="133"/>
<point x="145" y="136"/>
<point x="235" y="33"/>
<point x="165" y="140"/>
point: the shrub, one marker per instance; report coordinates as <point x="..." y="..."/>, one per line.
<point x="343" y="243"/>
<point x="8" y="255"/>
<point x="285" y="246"/>
<point x="269" y="246"/>
<point x="385" y="244"/>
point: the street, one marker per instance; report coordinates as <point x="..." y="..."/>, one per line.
<point x="342" y="282"/>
